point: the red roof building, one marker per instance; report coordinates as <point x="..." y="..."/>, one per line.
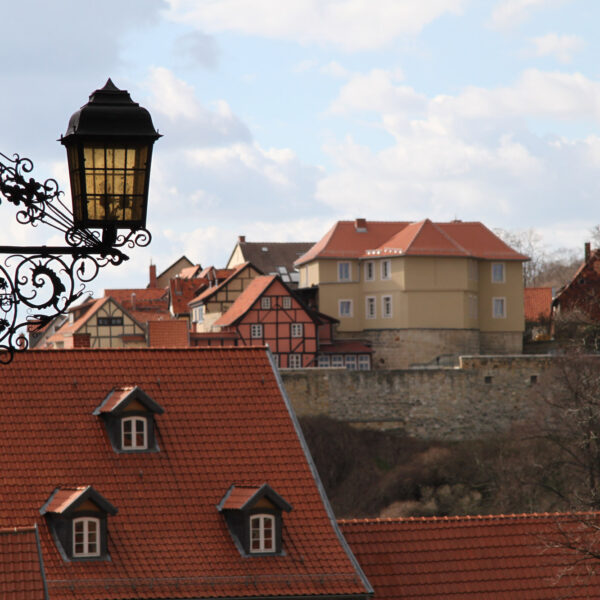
<point x="515" y="557"/>
<point x="268" y="312"/>
<point x="161" y="474"/>
<point x="538" y="304"/>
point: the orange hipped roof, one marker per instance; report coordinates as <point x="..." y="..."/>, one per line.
<point x="515" y="557"/>
<point x="225" y="423"/>
<point x="349" y="239"/>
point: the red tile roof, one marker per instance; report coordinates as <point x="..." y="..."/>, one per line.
<point x="225" y="423"/>
<point x="229" y="275"/>
<point x="244" y="302"/>
<point x="538" y="303"/>
<point x="516" y="557"/>
<point x="137" y="299"/>
<point x="425" y="238"/>
<point x="182" y="291"/>
<point x="21" y="569"/>
<point x="168" y="334"/>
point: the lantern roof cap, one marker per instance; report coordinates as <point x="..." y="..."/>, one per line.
<point x="111" y="113"/>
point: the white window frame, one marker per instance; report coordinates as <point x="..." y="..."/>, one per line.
<point x="86" y="534"/>
<point x="348" y="314"/>
<point x="296" y="330"/>
<point x="499" y="301"/>
<point x="386" y="269"/>
<point x="371" y="307"/>
<point x="364" y="362"/>
<point x="286" y="303"/>
<point x="387" y="311"/>
<point x="337" y="361"/>
<point x="276" y="359"/>
<point x="294" y="361"/>
<point x="350" y="362"/>
<point x="370" y="266"/>
<point x="133" y="422"/>
<point x="265" y="302"/>
<point x="502" y="272"/>
<point x="344" y="269"/>
<point x="323" y="360"/>
<point x="257" y="532"/>
<point x="256" y="331"/>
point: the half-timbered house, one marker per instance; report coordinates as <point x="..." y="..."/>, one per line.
<point x="268" y="312"/>
<point x="211" y="303"/>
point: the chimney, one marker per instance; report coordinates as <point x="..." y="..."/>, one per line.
<point x="588" y="251"/>
<point x="241" y="239"/>
<point x="153" y="283"/>
<point x="360" y="225"/>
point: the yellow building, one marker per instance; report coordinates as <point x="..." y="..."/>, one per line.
<point x="421" y="290"/>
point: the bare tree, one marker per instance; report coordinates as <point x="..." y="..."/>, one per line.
<point x="530" y="243"/>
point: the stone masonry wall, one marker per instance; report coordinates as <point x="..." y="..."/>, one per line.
<point x="484" y="395"/>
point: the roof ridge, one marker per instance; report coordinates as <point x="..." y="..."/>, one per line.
<point x="457" y="518"/>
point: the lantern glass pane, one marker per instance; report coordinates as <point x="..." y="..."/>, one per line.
<point x="115" y="180"/>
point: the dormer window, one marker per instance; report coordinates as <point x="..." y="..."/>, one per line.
<point x="262" y="533"/>
<point x="77" y="518"/>
<point x="129" y="415"/>
<point x="86" y="537"/>
<point x="134" y="433"/>
<point x="254" y="517"/>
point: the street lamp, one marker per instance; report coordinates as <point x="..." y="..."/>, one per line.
<point x="109" y="151"/>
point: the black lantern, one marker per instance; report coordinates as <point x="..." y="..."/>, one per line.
<point x="109" y="151"/>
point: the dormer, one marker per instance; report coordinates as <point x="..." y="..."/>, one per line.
<point x="129" y="415"/>
<point x="254" y="518"/>
<point x="77" y="518"/>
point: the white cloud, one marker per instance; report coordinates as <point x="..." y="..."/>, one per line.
<point x="561" y="46"/>
<point x="348" y="24"/>
<point x="468" y="156"/>
<point x="508" y="13"/>
<point x="376" y="91"/>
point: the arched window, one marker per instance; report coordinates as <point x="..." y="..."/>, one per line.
<point x="262" y="533"/>
<point x="134" y="435"/>
<point x="86" y="537"/>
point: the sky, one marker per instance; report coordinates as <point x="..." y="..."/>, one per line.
<point x="280" y="117"/>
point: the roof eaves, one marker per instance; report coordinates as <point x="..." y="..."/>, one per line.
<point x="313" y="469"/>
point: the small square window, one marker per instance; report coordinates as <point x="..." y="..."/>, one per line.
<point x="364" y="362"/>
<point x="345" y="308"/>
<point x="294" y="361"/>
<point x="386" y="269"/>
<point x="265" y="302"/>
<point x="256" y="330"/>
<point x="323" y="360"/>
<point x="344" y="271"/>
<point x="296" y="330"/>
<point x="487" y="379"/>
<point x="498" y="273"/>
<point x="533" y="379"/>
<point x="369" y="270"/>
<point x="337" y="360"/>
<point x="350" y="361"/>
<point x="287" y="302"/>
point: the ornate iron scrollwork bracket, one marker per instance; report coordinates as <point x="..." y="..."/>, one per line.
<point x="39" y="283"/>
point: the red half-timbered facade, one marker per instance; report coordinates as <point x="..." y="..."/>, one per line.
<point x="268" y="312"/>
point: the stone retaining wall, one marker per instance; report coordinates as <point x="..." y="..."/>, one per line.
<point x="484" y="395"/>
